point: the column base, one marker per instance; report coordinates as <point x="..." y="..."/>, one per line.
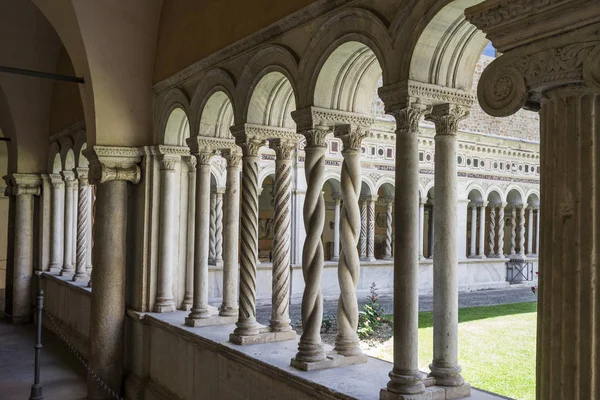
<point x="264" y="336"/>
<point x="333" y="360"/>
<point x="531" y="255"/>
<point x="430" y="393"/>
<point x="80" y="277"/>
<point x="476" y="257"/>
<point x="54" y="270"/>
<point x="186" y="306"/>
<point x="228" y="311"/>
<point x="388" y="258"/>
<point x="164" y="307"/>
<point x="67" y="272"/>
<point x="368" y="259"/>
<point x="334" y="259"/>
<point x="211" y="320"/>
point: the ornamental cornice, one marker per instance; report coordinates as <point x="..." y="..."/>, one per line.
<point x="56" y="180"/>
<point x="173" y="150"/>
<point x="265" y="132"/>
<point x="408" y="93"/>
<point x="109" y="163"/>
<point x="323" y="118"/>
<point x="200" y="144"/>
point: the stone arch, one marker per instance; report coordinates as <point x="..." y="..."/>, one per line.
<point x="429" y="188"/>
<point x="367" y="187"/>
<point x="82" y="161"/>
<point x="386" y="180"/>
<point x="533" y="199"/>
<point x="332" y="174"/>
<point x="217" y="116"/>
<point x="494" y="197"/>
<point x="515" y="195"/>
<point x="177" y="129"/>
<point x="334" y="184"/>
<point x="80" y="144"/>
<point x="66" y="143"/>
<point x="69" y="163"/>
<point x="475" y="194"/>
<point x="497" y="190"/>
<point x="172" y="125"/>
<point x="204" y="106"/>
<point x="533" y="193"/>
<point x="218" y="175"/>
<point x="386" y="189"/>
<point x="359" y="26"/>
<point x="264" y="173"/>
<point x="55" y="163"/>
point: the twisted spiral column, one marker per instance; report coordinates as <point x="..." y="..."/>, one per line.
<point x="83" y="224"/>
<point x="188" y="298"/>
<point x="492" y="231"/>
<point x="219" y="227"/>
<point x="246" y="324"/>
<point x="213" y="228"/>
<point x="522" y="231"/>
<point x="513" y="231"/>
<point x="336" y="227"/>
<point x="346" y="341"/>
<point x="363" y="228"/>
<point x="280" y="314"/>
<point x="501" y="230"/>
<point x="388" y="229"/>
<point x="371" y="229"/>
<point x="310" y="348"/>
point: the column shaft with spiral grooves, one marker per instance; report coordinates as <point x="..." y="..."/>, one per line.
<point x="371" y="229"/>
<point x="310" y="348"/>
<point x="280" y="312"/>
<point x="388" y="229"/>
<point x="213" y="228"/>
<point x="219" y="227"/>
<point x="522" y="231"/>
<point x="363" y="228"/>
<point x="346" y="342"/>
<point x="513" y="230"/>
<point x="492" y="231"/>
<point x="83" y="218"/>
<point x="501" y="230"/>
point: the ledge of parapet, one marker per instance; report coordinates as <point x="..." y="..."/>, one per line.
<point x="303" y="16"/>
<point x="80" y="287"/>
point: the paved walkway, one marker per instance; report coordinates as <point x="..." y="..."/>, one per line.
<point x="62" y="378"/>
<point x="517" y="294"/>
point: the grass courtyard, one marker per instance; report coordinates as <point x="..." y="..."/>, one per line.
<point x="496" y="347"/>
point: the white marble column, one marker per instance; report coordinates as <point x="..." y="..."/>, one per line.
<point x="389" y="203"/>
<point x="482" y="208"/>
<point x="336" y="228"/>
<point x="492" y="237"/>
<point x="445" y="368"/>
<point x="421" y="229"/>
<point x="57" y="222"/>
<point x="371" y="229"/>
<point x="473" y="243"/>
<point x="501" y="230"/>
<point x="188" y="299"/>
<point x="111" y="168"/>
<point x="513" y="230"/>
<point x="537" y="234"/>
<point x="219" y="226"/>
<point x="169" y="199"/>
<point x="530" y="232"/>
<point x="231" y="228"/>
<point x="91" y="203"/>
<point x="68" y="268"/>
<point x="280" y="302"/>
<point x="363" y="228"/>
<point x="75" y="211"/>
<point x="83" y="225"/>
<point x="199" y="308"/>
<point x="44" y="225"/>
<point x="213" y="227"/>
<point x="431" y="232"/>
<point x="405" y="378"/>
<point x="522" y="231"/>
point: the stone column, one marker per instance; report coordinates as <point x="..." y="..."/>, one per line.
<point x="67" y="267"/>
<point x="431" y="232"/>
<point x="45" y="229"/>
<point x="310" y="348"/>
<point x="501" y="230"/>
<point x="346" y="342"/>
<point x="481" y="252"/>
<point x="111" y="168"/>
<point x="336" y="228"/>
<point x="363" y="228"/>
<point x="83" y="225"/>
<point x="169" y="199"/>
<point x="445" y="368"/>
<point x="405" y="378"/>
<point x="421" y="229"/>
<point x="513" y="230"/>
<point x="522" y="231"/>
<point x="246" y="324"/>
<point x="530" y="233"/>
<point x="188" y="299"/>
<point x="389" y="202"/>
<point x="231" y="229"/>
<point x="473" y="245"/>
<point x="219" y="227"/>
<point x="88" y="265"/>
<point x="371" y="229"/>
<point x="57" y="222"/>
<point x="280" y="304"/>
<point x="537" y="234"/>
<point x="492" y="232"/>
<point x="555" y="67"/>
<point x="199" y="309"/>
<point x="19" y="274"/>
<point x="75" y="212"/>
<point x="213" y="228"/>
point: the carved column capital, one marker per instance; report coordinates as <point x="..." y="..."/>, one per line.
<point x="283" y="148"/>
<point x="113" y="163"/>
<point x="83" y="176"/>
<point x="23" y="184"/>
<point x="233" y="158"/>
<point x="446" y="118"/>
<point x="351" y="136"/>
<point x="191" y="162"/>
<point x="56" y="180"/>
<point x="168" y="162"/>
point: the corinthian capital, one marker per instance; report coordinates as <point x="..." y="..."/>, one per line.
<point x="446" y="118"/>
<point x="351" y="136"/>
<point x="168" y="162"/>
<point x="233" y="157"/>
<point x="109" y="163"/>
<point x="283" y="148"/>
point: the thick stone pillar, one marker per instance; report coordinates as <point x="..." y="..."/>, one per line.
<point x="473" y="244"/>
<point x="67" y="267"/>
<point x="481" y="252"/>
<point x="554" y="66"/>
<point x="513" y="231"/>
<point x="445" y="368"/>
<point x="83" y="225"/>
<point x="280" y="304"/>
<point x="389" y="204"/>
<point x="169" y="199"/>
<point x="188" y="298"/>
<point x="246" y="325"/>
<point x="492" y="238"/>
<point x="111" y="168"/>
<point x="371" y="229"/>
<point x="501" y="230"/>
<point x="231" y="229"/>
<point x="57" y="223"/>
<point x="421" y="229"/>
<point x="219" y="226"/>
<point x="363" y="227"/>
<point x="521" y="231"/>
<point x="336" y="228"/>
<point x="405" y="378"/>
<point x="530" y="233"/>
<point x="199" y="310"/>
<point x="19" y="274"/>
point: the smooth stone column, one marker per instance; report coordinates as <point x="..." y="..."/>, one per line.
<point x="481" y="252"/>
<point x="83" y="224"/>
<point x="231" y="233"/>
<point x="19" y="278"/>
<point x="363" y="228"/>
<point x="388" y="229"/>
<point x="473" y="244"/>
<point x="445" y="368"/>
<point x="75" y="212"/>
<point x="522" y="231"/>
<point x="45" y="229"/>
<point x="431" y="232"/>
<point x="166" y="239"/>
<point x="246" y="324"/>
<point x="68" y="268"/>
<point x="188" y="298"/>
<point x="405" y="378"/>
<point x="530" y="233"/>
<point x="91" y="207"/>
<point x="57" y="223"/>
<point x="492" y="239"/>
<point x="199" y="308"/>
<point x="310" y="348"/>
<point x="219" y="227"/>
<point x="111" y="169"/>
<point x="280" y="302"/>
<point x="537" y="234"/>
<point x="513" y="231"/>
<point x="421" y="229"/>
<point x="336" y="228"/>
<point x="213" y="228"/>
<point x="501" y="230"/>
<point x="371" y="229"/>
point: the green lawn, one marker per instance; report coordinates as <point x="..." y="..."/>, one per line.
<point x="496" y="347"/>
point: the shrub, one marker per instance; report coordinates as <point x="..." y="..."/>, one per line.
<point x="371" y="317"/>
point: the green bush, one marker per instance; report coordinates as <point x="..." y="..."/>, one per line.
<point x="372" y="316"/>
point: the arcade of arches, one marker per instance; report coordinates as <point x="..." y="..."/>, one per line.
<point x="219" y="156"/>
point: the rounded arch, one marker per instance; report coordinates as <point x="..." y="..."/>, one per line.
<point x="177" y="129"/>
<point x="332" y="174"/>
<point x="271" y="102"/>
<point x="367" y="187"/>
<point x="217" y="116"/>
<point x="533" y="198"/>
<point x="386" y="188"/>
<point x="360" y="26"/>
<point x="265" y="172"/>
<point x="67" y="144"/>
<point x="69" y="163"/>
<point x="494" y="196"/>
<point x="172" y="125"/>
<point x="55" y="164"/>
<point x="515" y="194"/>
<point x="215" y="81"/>
<point x="218" y="176"/>
<point x="474" y="189"/>
<point x="335" y="186"/>
<point x="82" y="161"/>
<point x="429" y="189"/>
